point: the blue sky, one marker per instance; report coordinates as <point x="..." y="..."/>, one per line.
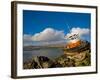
<point x="38" y="21"/>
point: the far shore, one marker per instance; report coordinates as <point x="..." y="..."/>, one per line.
<point x="30" y="48"/>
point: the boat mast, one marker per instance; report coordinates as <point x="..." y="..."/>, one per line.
<point x="73" y="36"/>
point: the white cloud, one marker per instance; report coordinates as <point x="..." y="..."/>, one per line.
<point x="27" y="37"/>
<point x="80" y="31"/>
<point x="52" y="36"/>
<point x="46" y="37"/>
<point x="48" y="34"/>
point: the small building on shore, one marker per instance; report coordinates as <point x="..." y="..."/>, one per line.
<point x="73" y="40"/>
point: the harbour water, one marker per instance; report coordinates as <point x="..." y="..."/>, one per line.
<point x="47" y="52"/>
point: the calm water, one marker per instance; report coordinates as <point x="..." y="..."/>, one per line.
<point x="48" y="52"/>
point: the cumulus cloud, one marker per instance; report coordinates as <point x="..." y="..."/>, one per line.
<point x="27" y="37"/>
<point x="80" y="31"/>
<point x="45" y="37"/>
<point x="53" y="36"/>
<point x="48" y="34"/>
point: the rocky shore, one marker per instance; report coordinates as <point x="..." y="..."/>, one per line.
<point x="79" y="56"/>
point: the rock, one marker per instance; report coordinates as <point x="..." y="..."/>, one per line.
<point x="85" y="45"/>
<point x="39" y="62"/>
<point x="77" y="59"/>
<point x="65" y="61"/>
